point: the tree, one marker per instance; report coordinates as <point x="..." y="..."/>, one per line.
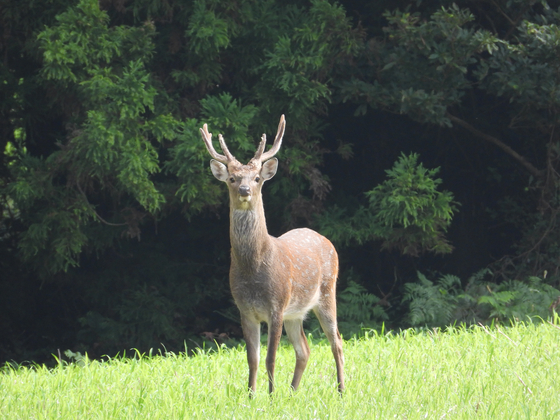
<point x="112" y="94"/>
<point x="112" y="228"/>
<point x="125" y="88"/>
<point x="406" y="212"/>
<point x="493" y="76"/>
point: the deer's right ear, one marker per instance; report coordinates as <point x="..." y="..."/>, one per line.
<point x="219" y="170"/>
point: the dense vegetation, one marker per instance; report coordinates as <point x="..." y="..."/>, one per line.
<point x="421" y="139"/>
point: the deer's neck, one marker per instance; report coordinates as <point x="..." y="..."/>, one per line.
<point x="249" y="236"/>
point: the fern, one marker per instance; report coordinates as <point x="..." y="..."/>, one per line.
<point x="499" y="302"/>
<point x="517" y="300"/>
<point x="356" y="304"/>
<point x="432" y="304"/>
<point x="357" y="309"/>
<point x="443" y="302"/>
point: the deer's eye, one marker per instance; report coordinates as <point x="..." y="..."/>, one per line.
<point x="232" y="180"/>
<point x="257" y="179"/>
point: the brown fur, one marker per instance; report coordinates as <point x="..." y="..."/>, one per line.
<point x="275" y="280"/>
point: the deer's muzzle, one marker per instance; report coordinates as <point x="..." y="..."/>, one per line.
<point x="244" y="191"/>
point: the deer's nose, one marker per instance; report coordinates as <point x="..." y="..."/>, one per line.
<point x="244" y="190"/>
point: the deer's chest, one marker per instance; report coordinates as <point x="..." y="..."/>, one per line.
<point x="256" y="287"/>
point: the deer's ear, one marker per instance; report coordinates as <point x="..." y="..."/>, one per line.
<point x="269" y="169"/>
<point x="219" y="170"/>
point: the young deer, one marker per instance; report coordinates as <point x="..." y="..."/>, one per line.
<point x="274" y="280"/>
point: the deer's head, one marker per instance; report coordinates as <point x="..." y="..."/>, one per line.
<point x="244" y="181"/>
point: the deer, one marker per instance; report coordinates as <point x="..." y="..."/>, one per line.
<point x="274" y="280"/>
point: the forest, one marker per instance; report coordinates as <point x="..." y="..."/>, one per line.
<point x="420" y="139"/>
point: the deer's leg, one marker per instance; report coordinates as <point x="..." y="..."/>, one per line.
<point x="294" y="331"/>
<point x="274" y="334"/>
<point x="326" y="313"/>
<point x="252" y="335"/>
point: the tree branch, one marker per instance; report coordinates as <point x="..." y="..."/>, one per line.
<point x="101" y="219"/>
<point x="537" y="173"/>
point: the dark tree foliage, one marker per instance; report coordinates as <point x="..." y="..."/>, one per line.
<point x="493" y="76"/>
<point x="412" y="130"/>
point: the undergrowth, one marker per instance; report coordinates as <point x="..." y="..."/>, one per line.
<point x="445" y="301"/>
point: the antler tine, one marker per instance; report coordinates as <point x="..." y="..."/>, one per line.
<point x="226" y="151"/>
<point x="277" y="141"/>
<point x="207" y="137"/>
<point x="260" y="150"/>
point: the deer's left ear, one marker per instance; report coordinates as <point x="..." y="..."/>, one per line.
<point x="269" y="169"/>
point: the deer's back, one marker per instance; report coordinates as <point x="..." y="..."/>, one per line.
<point x="311" y="254"/>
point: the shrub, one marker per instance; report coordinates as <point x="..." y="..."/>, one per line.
<point x="444" y="301"/>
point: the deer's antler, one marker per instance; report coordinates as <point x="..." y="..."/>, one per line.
<point x="260" y="156"/>
<point x="207" y="137"/>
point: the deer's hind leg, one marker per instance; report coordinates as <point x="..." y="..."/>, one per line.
<point x="296" y="335"/>
<point x="326" y="314"/>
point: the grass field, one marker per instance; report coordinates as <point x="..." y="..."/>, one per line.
<point x="501" y="373"/>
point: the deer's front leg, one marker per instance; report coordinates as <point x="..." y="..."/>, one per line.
<point x="252" y="335"/>
<point x="274" y="334"/>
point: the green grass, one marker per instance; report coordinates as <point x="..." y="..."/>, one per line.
<point x="502" y="373"/>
